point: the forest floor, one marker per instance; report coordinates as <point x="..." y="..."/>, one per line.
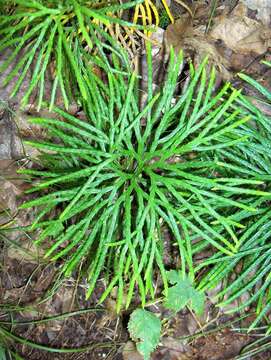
<point x="237" y="40"/>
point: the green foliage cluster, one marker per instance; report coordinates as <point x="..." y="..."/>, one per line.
<point x="62" y="36"/>
<point x="125" y="175"/>
<point x="251" y="160"/>
<point x="145" y="328"/>
<point x="112" y="183"/>
<point x="164" y="19"/>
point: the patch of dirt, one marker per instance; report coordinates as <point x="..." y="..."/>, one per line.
<point x="222" y="345"/>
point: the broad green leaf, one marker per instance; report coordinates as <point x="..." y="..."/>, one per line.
<point x="145" y="329"/>
<point x="182" y="293"/>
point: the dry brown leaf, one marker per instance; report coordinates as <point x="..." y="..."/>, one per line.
<point x="11" y="186"/>
<point x="174" y="348"/>
<point x="185" y="6"/>
<point x="194" y="43"/>
<point x="264" y="107"/>
<point x="263" y="8"/>
<point x="10" y="144"/>
<point x="177" y="32"/>
<point x="233" y="43"/>
<point x="29" y="254"/>
<point x="240" y="33"/>
<point x="130" y="353"/>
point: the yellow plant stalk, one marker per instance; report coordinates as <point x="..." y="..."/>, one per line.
<point x="164" y="2"/>
<point x="149" y="12"/>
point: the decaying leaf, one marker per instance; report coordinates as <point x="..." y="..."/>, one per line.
<point x="233" y="34"/>
<point x="11" y="186"/>
<point x="130" y="353"/>
<point x="31" y="254"/>
<point x="10" y="144"/>
<point x="240" y="33"/>
<point x="263" y="9"/>
<point x="183" y="36"/>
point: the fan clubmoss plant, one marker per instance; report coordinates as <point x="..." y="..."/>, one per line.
<point x="252" y="160"/>
<point x="124" y="175"/>
<point x="59" y="35"/>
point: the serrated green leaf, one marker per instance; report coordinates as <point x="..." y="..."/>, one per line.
<point x="198" y="302"/>
<point x="145" y="327"/>
<point x="182" y="293"/>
